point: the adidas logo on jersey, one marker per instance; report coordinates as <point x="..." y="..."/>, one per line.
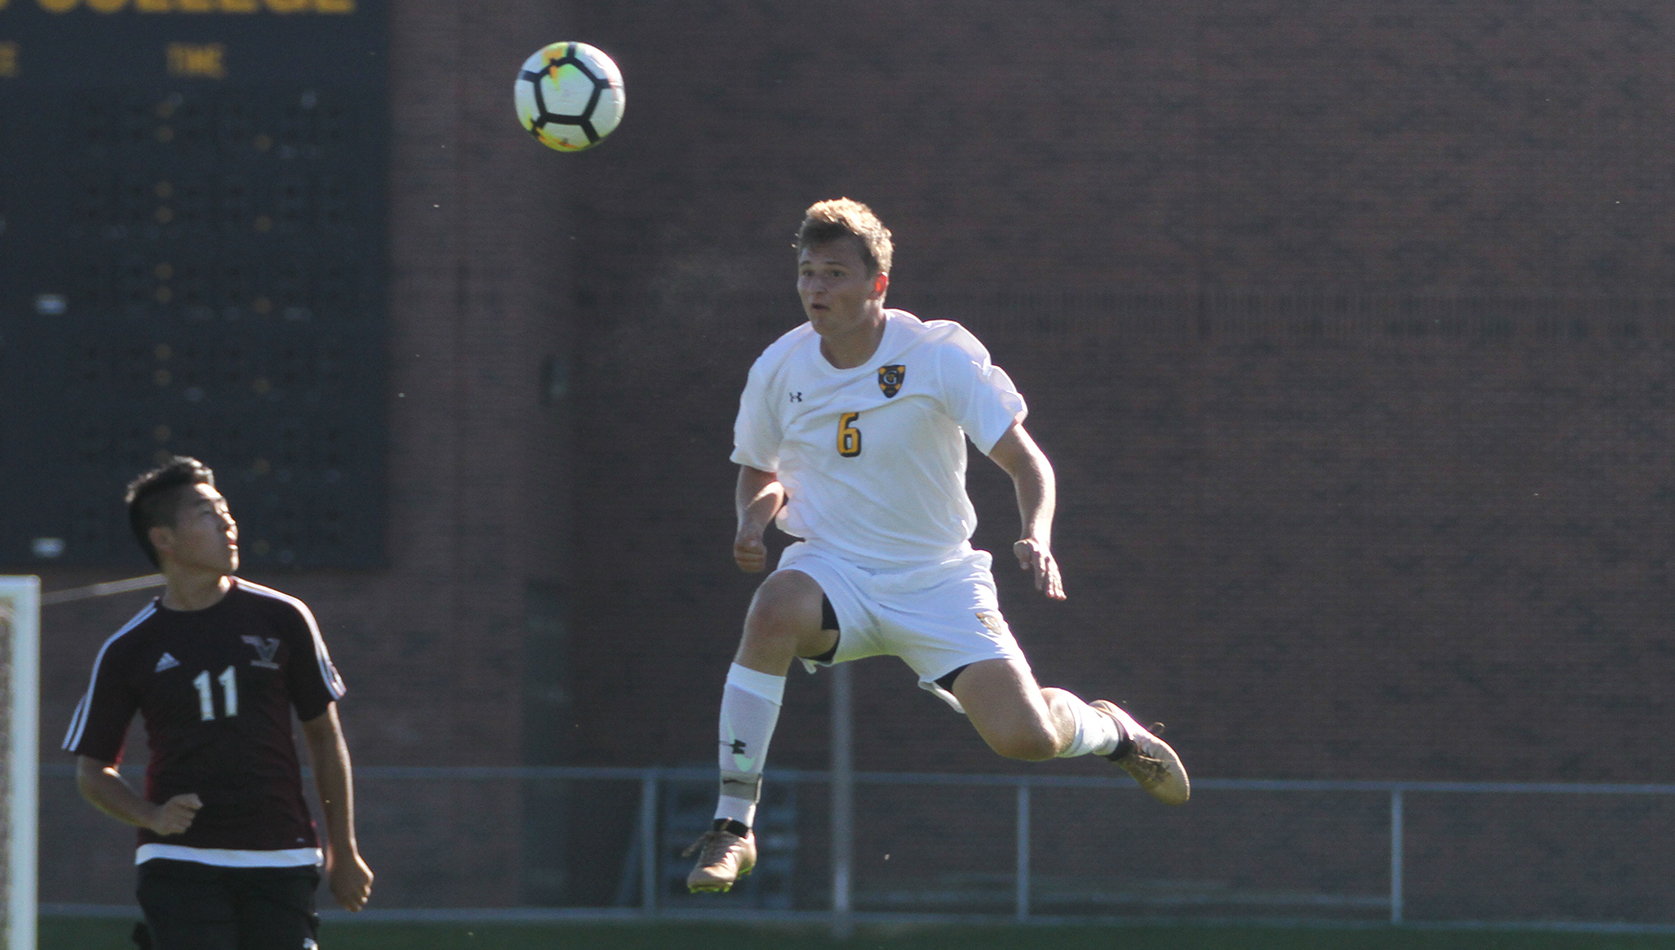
<point x="166" y="662"/>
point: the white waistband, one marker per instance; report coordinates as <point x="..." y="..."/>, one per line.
<point x="231" y="857"/>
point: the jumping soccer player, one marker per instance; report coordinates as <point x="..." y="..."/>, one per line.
<point x="228" y="858"/>
<point x="851" y="434"/>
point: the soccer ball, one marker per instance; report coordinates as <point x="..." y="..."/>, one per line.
<point x="569" y="96"/>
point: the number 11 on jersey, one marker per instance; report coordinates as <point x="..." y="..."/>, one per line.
<point x="229" y="694"/>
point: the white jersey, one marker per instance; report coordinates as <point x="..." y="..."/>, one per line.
<point x="873" y="458"/>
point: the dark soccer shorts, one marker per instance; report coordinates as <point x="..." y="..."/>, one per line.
<point x="191" y="906"/>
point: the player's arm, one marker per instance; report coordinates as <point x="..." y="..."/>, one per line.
<point x="105" y="789"/>
<point x="758" y="498"/>
<point x="1032" y="477"/>
<point x="347" y="875"/>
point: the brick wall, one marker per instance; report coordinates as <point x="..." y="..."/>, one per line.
<point x="1332" y="319"/>
<point x="1348" y="329"/>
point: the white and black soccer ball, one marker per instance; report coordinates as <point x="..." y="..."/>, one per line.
<point x="569" y="96"/>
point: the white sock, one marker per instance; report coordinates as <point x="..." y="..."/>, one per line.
<point x="749" y="711"/>
<point x="1096" y="733"/>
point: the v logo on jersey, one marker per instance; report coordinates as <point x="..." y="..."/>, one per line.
<point x="890" y="378"/>
<point x="166" y="662"/>
<point x="266" y="650"/>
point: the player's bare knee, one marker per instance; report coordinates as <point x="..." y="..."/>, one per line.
<point x="1028" y="749"/>
<point x="1025" y="744"/>
<point x="763" y="633"/>
<point x="788" y="598"/>
<point x="781" y="613"/>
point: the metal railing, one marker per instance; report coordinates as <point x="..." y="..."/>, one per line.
<point x="651" y="780"/>
<point x="648" y="828"/>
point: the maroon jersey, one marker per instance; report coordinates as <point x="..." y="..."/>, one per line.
<point x="216" y="687"/>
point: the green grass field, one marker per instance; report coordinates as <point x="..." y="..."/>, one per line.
<point x="85" y="934"/>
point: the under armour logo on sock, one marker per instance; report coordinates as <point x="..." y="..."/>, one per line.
<point x="742" y="762"/>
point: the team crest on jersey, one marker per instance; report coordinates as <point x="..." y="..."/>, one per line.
<point x="890" y="378"/>
<point x="266" y="649"/>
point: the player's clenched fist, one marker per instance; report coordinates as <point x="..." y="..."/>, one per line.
<point x="175" y="815"/>
<point x="350" y="880"/>
<point x="750" y="553"/>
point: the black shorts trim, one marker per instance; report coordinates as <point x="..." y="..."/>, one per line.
<point x="828" y="621"/>
<point x="946" y="681"/>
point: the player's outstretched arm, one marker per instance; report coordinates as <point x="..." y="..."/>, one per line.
<point x="757" y="499"/>
<point x="103" y="787"/>
<point x="347" y="875"/>
<point x="1032" y="478"/>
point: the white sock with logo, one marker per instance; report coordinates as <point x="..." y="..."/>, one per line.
<point x="1096" y="733"/>
<point x="749" y="711"/>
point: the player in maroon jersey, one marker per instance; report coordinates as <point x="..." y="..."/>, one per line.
<point x="227" y="853"/>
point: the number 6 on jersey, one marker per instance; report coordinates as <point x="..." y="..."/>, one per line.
<point x="849" y="437"/>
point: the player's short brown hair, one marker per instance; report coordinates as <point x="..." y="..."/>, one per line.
<point x="154" y="498"/>
<point x="839" y="218"/>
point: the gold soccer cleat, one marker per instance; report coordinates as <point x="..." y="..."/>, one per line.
<point x="724" y="855"/>
<point x="1146" y="757"/>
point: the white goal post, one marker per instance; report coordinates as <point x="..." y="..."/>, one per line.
<point x="20" y="679"/>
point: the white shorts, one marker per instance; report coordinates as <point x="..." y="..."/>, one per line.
<point x="937" y="617"/>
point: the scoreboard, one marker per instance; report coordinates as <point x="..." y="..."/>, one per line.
<point x="192" y="256"/>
